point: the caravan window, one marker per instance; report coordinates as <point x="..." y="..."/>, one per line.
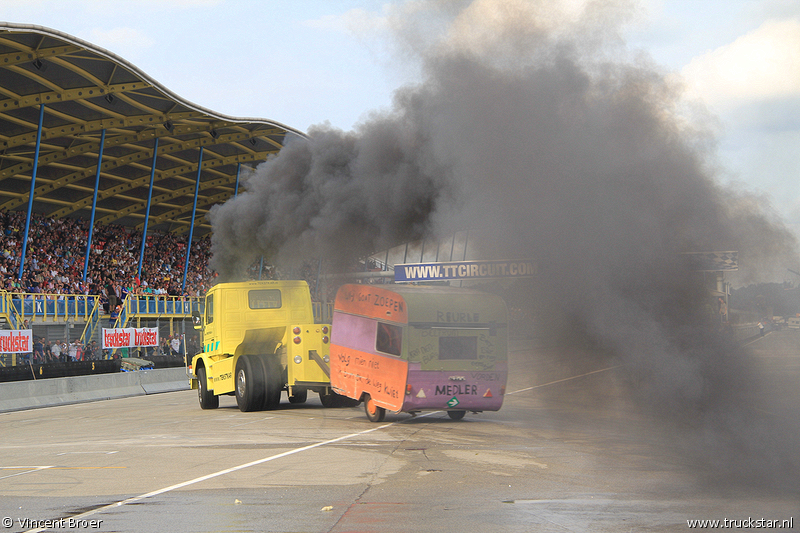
<point x="389" y="339"/>
<point x="458" y="348"/>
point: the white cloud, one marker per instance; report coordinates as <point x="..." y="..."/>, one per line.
<point x="761" y="65"/>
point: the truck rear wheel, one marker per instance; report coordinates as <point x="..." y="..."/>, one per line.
<point x="208" y="400"/>
<point x="327" y="398"/>
<point x="300" y="395"/>
<point x="273" y="383"/>
<point x="250" y="386"/>
<point x="374" y="413"/>
<point x="456" y="415"/>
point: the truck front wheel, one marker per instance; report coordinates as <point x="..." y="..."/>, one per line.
<point x="250" y="386"/>
<point x="208" y="400"/>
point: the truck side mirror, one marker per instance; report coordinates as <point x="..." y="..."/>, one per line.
<point x="197" y="320"/>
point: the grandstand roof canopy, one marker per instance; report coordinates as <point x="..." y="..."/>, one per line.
<point x="87" y="91"/>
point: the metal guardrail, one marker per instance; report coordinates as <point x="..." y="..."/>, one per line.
<point x="28" y="310"/>
<point x="152" y="306"/>
<point x="62" y="307"/>
<point x="91" y="326"/>
<point x="46" y="307"/>
<point x="9" y="311"/>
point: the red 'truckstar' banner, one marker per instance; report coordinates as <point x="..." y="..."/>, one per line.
<point x="129" y="337"/>
<point x="16" y="341"/>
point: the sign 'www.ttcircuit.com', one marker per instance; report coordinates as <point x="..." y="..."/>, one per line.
<point x="460" y="270"/>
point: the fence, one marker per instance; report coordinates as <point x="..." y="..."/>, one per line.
<point x="43" y="312"/>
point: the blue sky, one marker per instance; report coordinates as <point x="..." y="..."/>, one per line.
<point x="305" y="62"/>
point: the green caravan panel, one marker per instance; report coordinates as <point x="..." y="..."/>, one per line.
<point x="455" y="329"/>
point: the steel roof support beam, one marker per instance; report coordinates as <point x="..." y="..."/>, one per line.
<point x="236" y="187"/>
<point x="191" y="229"/>
<point x="147" y="210"/>
<point x="33" y="187"/>
<point x="94" y="203"/>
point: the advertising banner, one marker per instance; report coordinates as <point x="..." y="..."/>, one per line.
<point x="16" y="341"/>
<point x="464" y="270"/>
<point x="129" y="337"/>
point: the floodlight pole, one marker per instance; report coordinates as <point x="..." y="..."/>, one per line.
<point x="147" y="212"/>
<point x="94" y="203"/>
<point x="33" y="187"/>
<point x="191" y="227"/>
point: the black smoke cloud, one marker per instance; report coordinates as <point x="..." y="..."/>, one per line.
<point x="335" y="195"/>
<point x="553" y="142"/>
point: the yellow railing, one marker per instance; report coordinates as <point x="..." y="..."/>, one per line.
<point x="47" y="307"/>
<point x="91" y="323"/>
<point x="156" y="306"/>
<point x="25" y="310"/>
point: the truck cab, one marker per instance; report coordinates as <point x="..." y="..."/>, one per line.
<point x="259" y="339"/>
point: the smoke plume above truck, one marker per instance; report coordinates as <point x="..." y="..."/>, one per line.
<point x="544" y="135"/>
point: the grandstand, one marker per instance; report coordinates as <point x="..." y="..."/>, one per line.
<point x="105" y="180"/>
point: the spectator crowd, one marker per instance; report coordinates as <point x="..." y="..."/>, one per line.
<point x="55" y="258"/>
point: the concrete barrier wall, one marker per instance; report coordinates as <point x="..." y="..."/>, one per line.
<point x="21" y="395"/>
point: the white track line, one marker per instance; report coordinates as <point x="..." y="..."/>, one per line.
<point x="33" y="469"/>
<point x="213" y="475"/>
<point x="273" y="457"/>
<point x="565" y="379"/>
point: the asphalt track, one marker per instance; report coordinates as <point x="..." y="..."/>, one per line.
<point x="566" y="453"/>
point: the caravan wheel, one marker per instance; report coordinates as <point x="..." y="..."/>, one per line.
<point x="374" y="413"/>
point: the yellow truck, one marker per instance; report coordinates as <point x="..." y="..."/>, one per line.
<point x="259" y="339"/>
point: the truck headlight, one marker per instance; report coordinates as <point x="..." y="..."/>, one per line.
<point x="298" y="359"/>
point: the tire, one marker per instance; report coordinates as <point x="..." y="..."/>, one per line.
<point x="328" y="399"/>
<point x="344" y="401"/>
<point x="299" y="396"/>
<point x="332" y="399"/>
<point x="456" y="415"/>
<point x="249" y="387"/>
<point x="273" y="381"/>
<point x="208" y="400"/>
<point x="374" y="413"/>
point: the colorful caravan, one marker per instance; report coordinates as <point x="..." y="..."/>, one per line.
<point x="417" y="348"/>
